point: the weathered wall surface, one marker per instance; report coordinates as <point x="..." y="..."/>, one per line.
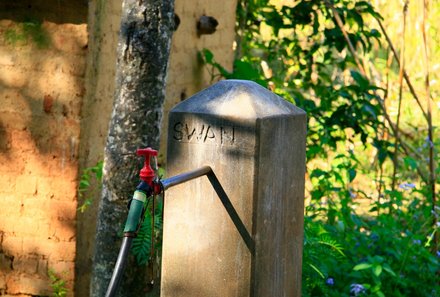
<point x="41" y="87"/>
<point x="42" y="132"/>
<point x="187" y="75"/>
<point x="104" y="23"/>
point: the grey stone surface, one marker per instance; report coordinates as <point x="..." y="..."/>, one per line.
<point x="255" y="143"/>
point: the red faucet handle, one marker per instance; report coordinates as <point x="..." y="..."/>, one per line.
<point x="147" y="174"/>
<point x="146" y="152"/>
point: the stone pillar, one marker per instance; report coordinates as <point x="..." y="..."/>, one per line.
<point x="254" y="141"/>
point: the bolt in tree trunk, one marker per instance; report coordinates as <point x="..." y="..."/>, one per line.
<point x="143" y="50"/>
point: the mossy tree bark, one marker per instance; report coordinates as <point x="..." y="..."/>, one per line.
<point x="143" y="50"/>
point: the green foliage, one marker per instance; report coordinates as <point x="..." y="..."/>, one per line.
<point x="142" y="248"/>
<point x="367" y="232"/>
<point x="242" y="69"/>
<point x="90" y="177"/>
<point x="57" y="284"/>
<point x="307" y="52"/>
<point x="28" y="31"/>
<point x="387" y="254"/>
<point x="318" y="245"/>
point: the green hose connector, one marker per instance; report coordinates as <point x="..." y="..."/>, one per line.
<point x="135" y="212"/>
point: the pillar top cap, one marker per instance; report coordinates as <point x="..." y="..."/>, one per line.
<point x="240" y="99"/>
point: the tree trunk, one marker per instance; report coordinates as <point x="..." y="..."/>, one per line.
<point x="143" y="50"/>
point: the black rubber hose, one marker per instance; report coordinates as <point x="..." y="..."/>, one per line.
<point x="119" y="267"/>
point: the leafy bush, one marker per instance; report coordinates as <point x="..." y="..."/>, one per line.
<point x="368" y="231"/>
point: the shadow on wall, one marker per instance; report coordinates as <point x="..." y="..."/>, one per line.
<point x="42" y="68"/>
<point x="26" y="261"/>
<point x="4" y="141"/>
<point x="41" y="86"/>
<point x="55" y="11"/>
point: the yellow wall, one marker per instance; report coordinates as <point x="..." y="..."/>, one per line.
<point x="56" y="103"/>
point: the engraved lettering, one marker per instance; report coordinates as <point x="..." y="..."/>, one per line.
<point x="227" y="135"/>
<point x="178" y="134"/>
<point x="209" y="134"/>
<point x="202" y="133"/>
<point x="189" y="135"/>
<point x="200" y="137"/>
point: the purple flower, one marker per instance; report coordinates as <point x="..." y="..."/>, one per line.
<point x="429" y="142"/>
<point x="438" y="254"/>
<point x="407" y="186"/>
<point x="417" y="241"/>
<point x="330" y="281"/>
<point x="356" y="289"/>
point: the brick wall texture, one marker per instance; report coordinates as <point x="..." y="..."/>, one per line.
<point x="41" y="87"/>
<point x="54" y="114"/>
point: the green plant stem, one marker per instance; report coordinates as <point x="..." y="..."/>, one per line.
<point x="347" y="39"/>
<point x="405" y="75"/>
<point x="381" y="103"/>
<point x="242" y="9"/>
<point x="387" y="87"/>
<point x="405" y="147"/>
<point x="430" y="127"/>
<point x="399" y="108"/>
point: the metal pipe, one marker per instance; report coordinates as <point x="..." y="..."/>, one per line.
<point x="206" y="170"/>
<point x="127" y="241"/>
<point x="119" y="267"/>
<point x="184" y="177"/>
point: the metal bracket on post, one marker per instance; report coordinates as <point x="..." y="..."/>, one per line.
<point x="146" y="176"/>
<point x="206" y="170"/>
<point x="254" y="141"/>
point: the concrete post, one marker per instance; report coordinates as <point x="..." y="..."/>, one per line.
<point x="254" y="141"/>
